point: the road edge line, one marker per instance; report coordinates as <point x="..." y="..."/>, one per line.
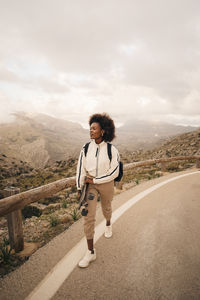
<point x="47" y="288"/>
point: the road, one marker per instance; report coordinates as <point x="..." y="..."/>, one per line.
<point x="154" y="252"/>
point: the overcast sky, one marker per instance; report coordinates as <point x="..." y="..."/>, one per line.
<point x="130" y="58"/>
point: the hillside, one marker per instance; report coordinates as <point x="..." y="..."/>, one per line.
<point x="41" y="140"/>
<point x="137" y="134"/>
<point x="183" y="144"/>
<point x="20" y="174"/>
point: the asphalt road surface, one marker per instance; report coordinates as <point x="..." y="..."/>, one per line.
<point x="154" y="252"/>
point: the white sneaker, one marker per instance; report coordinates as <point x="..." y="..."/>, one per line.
<point x="108" y="231"/>
<point x="89" y="257"/>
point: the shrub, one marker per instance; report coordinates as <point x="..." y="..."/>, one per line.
<point x="5" y="251"/>
<point x="74" y="214"/>
<point x="64" y="204"/>
<point x="173" y="167"/>
<point x="29" y="211"/>
<point x="157" y="174"/>
<point x="52" y="199"/>
<point x="54" y="221"/>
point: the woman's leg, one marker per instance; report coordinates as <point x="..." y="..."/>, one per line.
<point x="106" y="191"/>
<point x="89" y="220"/>
<point x="89" y="225"/>
<point x="90" y="244"/>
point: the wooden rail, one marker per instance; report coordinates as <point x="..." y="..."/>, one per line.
<point x="16" y="202"/>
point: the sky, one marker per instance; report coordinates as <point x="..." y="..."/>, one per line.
<point x="129" y="58"/>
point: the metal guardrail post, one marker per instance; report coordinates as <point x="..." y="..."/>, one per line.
<point x="14" y="221"/>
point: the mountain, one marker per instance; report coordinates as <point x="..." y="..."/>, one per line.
<point x="136" y="134"/>
<point x="185" y="144"/>
<point x="36" y="150"/>
<point x="41" y="139"/>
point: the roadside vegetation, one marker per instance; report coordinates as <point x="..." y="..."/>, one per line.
<point x="47" y="218"/>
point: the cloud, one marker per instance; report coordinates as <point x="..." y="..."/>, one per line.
<point x="130" y="58"/>
<point x="6" y="109"/>
<point x="7" y="76"/>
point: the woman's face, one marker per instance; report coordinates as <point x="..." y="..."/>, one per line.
<point x="95" y="131"/>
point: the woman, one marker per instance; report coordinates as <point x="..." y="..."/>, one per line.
<point x="96" y="169"/>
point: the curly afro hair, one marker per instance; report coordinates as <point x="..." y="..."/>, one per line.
<point x="106" y="123"/>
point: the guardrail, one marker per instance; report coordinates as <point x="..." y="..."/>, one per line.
<point x="12" y="205"/>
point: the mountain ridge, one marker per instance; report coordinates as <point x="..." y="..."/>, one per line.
<point x="40" y="140"/>
<point x="15" y="170"/>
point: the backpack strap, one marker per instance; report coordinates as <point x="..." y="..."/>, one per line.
<point x="86" y="148"/>
<point x="109" y="151"/>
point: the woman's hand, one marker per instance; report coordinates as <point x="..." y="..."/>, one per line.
<point x="88" y="179"/>
<point x="79" y="194"/>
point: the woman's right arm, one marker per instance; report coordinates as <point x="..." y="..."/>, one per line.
<point x="81" y="170"/>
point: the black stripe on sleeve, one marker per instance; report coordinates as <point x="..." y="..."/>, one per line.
<point x="108" y="174"/>
<point x="79" y="175"/>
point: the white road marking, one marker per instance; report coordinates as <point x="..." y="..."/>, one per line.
<point x="55" y="278"/>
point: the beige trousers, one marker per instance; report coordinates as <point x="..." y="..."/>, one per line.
<point x="106" y="191"/>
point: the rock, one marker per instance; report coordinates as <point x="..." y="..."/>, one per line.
<point x="45" y="224"/>
<point x="65" y="218"/>
<point x="51" y="207"/>
<point x="29" y="249"/>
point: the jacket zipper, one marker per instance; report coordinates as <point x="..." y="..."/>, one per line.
<point x="97" y="155"/>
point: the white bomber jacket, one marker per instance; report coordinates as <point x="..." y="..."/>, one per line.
<point x="97" y="164"/>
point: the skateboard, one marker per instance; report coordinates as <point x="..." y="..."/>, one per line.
<point x="82" y="201"/>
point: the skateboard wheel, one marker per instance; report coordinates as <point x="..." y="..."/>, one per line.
<point x="84" y="212"/>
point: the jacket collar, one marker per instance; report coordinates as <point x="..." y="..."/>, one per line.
<point x="100" y="145"/>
